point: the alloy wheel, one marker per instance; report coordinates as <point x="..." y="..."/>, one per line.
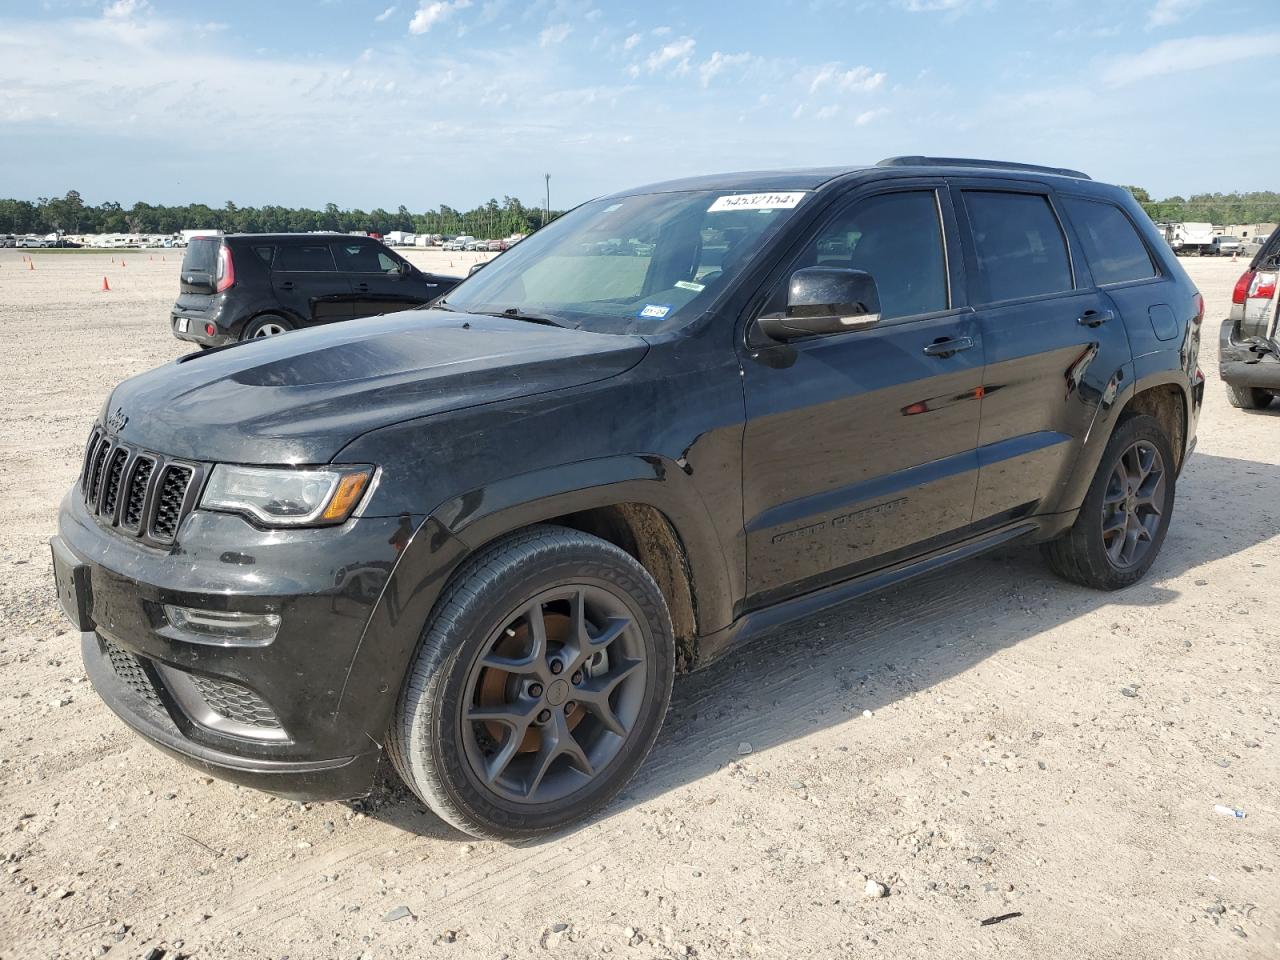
<point x="269" y="330"/>
<point x="554" y="694"/>
<point x="1133" y="505"/>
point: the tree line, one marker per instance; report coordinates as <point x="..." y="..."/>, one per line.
<point x="491" y="220"/>
<point x="70" y="214"/>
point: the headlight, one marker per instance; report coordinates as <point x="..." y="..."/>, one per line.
<point x="279" y="497"/>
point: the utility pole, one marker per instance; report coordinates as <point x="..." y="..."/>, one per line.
<point x="546" y="211"/>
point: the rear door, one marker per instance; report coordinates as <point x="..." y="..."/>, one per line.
<point x="859" y="447"/>
<point x="307" y="283"/>
<point x="1056" y="347"/>
<point x="379" y="283"/>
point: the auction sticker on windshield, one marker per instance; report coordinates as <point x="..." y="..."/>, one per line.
<point x="655" y="311"/>
<point x="756" y="201"/>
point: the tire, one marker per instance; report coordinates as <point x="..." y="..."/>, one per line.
<point x="1248" y="398"/>
<point x="267" y="325"/>
<point x="485" y="617"/>
<point x="1083" y="554"/>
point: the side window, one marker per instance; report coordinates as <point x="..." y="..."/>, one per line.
<point x="364" y="258"/>
<point x="265" y="253"/>
<point x="1116" y="253"/>
<point x="895" y="237"/>
<point x="309" y="258"/>
<point x="1019" y="245"/>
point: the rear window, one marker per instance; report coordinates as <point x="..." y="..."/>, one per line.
<point x="1019" y="245"/>
<point x="364" y="258"/>
<point x="201" y="255"/>
<point x="305" y="258"/>
<point x="1116" y="253"/>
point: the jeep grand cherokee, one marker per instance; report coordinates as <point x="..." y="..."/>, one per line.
<point x="479" y="538"/>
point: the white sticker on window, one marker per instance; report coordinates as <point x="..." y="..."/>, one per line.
<point x="690" y="285"/>
<point x="655" y="311"/>
<point x="756" y="201"/>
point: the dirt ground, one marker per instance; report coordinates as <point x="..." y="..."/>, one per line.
<point x="1031" y="748"/>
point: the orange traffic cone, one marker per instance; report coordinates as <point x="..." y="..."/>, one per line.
<point x="106" y="287"/>
<point x="122" y="263"/>
<point x="31" y="264"/>
<point x="113" y="259"/>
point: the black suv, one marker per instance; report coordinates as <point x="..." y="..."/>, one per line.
<point x="1249" y="346"/>
<point x="482" y="537"/>
<point x="248" y="285"/>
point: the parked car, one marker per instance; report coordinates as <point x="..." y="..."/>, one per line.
<point x="573" y="473"/>
<point x="1249" y="343"/>
<point x="473" y="245"/>
<point x="458" y="243"/>
<point x="1224" y="246"/>
<point x="242" y="286"/>
<point x="7" y="240"/>
<point x="29" y="243"/>
<point x="1250" y="247"/>
<point x="1191" y="239"/>
<point x="496" y="246"/>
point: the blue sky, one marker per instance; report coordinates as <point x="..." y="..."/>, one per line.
<point x="425" y="102"/>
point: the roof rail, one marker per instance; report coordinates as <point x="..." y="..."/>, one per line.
<point x="981" y="164"/>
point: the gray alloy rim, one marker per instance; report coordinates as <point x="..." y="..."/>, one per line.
<point x="554" y="694"/>
<point x="1133" y="505"/>
<point x="268" y="330"/>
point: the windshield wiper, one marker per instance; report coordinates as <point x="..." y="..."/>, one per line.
<point x="515" y="313"/>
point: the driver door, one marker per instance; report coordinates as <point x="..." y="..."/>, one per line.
<point x="860" y="447"/>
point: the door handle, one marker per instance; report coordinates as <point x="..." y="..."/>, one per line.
<point x="947" y="346"/>
<point x="1094" y="318"/>
<point x="362" y="288"/>
<point x="287" y="285"/>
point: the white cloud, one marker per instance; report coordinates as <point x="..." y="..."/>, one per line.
<point x="718" y="62"/>
<point x="431" y="12"/>
<point x="862" y="119"/>
<point x="1190" y="53"/>
<point x="858" y="79"/>
<point x="124" y="9"/>
<point x="556" y="33"/>
<point x="384" y="15"/>
<point x="661" y="31"/>
<point x="631" y="41"/>
<point x="934" y="6"/>
<point x="673" y="56"/>
<point x="1166" y="12"/>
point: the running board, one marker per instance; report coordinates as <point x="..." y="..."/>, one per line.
<point x="752" y="625"/>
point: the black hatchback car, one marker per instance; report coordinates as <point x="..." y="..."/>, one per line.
<point x="477" y="539"/>
<point x="247" y="285"/>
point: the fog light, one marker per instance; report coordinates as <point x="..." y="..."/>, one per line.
<point x="224" y="627"/>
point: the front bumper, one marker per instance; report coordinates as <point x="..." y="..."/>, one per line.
<point x="296" y="717"/>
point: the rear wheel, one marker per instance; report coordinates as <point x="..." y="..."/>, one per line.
<point x="1125" y="516"/>
<point x="1248" y="398"/>
<point x="540" y="686"/>
<point x="267" y="325"/>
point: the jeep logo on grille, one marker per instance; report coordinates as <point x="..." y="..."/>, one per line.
<point x="117" y="420"/>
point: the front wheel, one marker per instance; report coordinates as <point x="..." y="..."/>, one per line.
<point x="540" y="685"/>
<point x="1125" y="516"/>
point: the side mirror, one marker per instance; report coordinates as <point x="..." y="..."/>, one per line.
<point x="476" y="266"/>
<point x="406" y="268"/>
<point x="825" y="300"/>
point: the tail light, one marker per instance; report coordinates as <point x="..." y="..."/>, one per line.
<point x="1199" y="303"/>
<point x="226" y="272"/>
<point x="1242" y="287"/>
<point x="1254" y="285"/>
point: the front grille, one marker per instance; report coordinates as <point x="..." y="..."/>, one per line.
<point x="128" y="668"/>
<point x="235" y="702"/>
<point x="173" y="493"/>
<point x="115" y="473"/>
<point x="138" y="492"/>
<point x="142" y="470"/>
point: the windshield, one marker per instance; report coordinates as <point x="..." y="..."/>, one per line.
<point x="636" y="264"/>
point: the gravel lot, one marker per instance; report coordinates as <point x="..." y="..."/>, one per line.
<point x="1031" y="747"/>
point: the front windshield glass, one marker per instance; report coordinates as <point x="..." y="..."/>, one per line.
<point x="637" y="264"/>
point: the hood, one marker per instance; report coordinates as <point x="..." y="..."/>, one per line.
<point x="301" y="397"/>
